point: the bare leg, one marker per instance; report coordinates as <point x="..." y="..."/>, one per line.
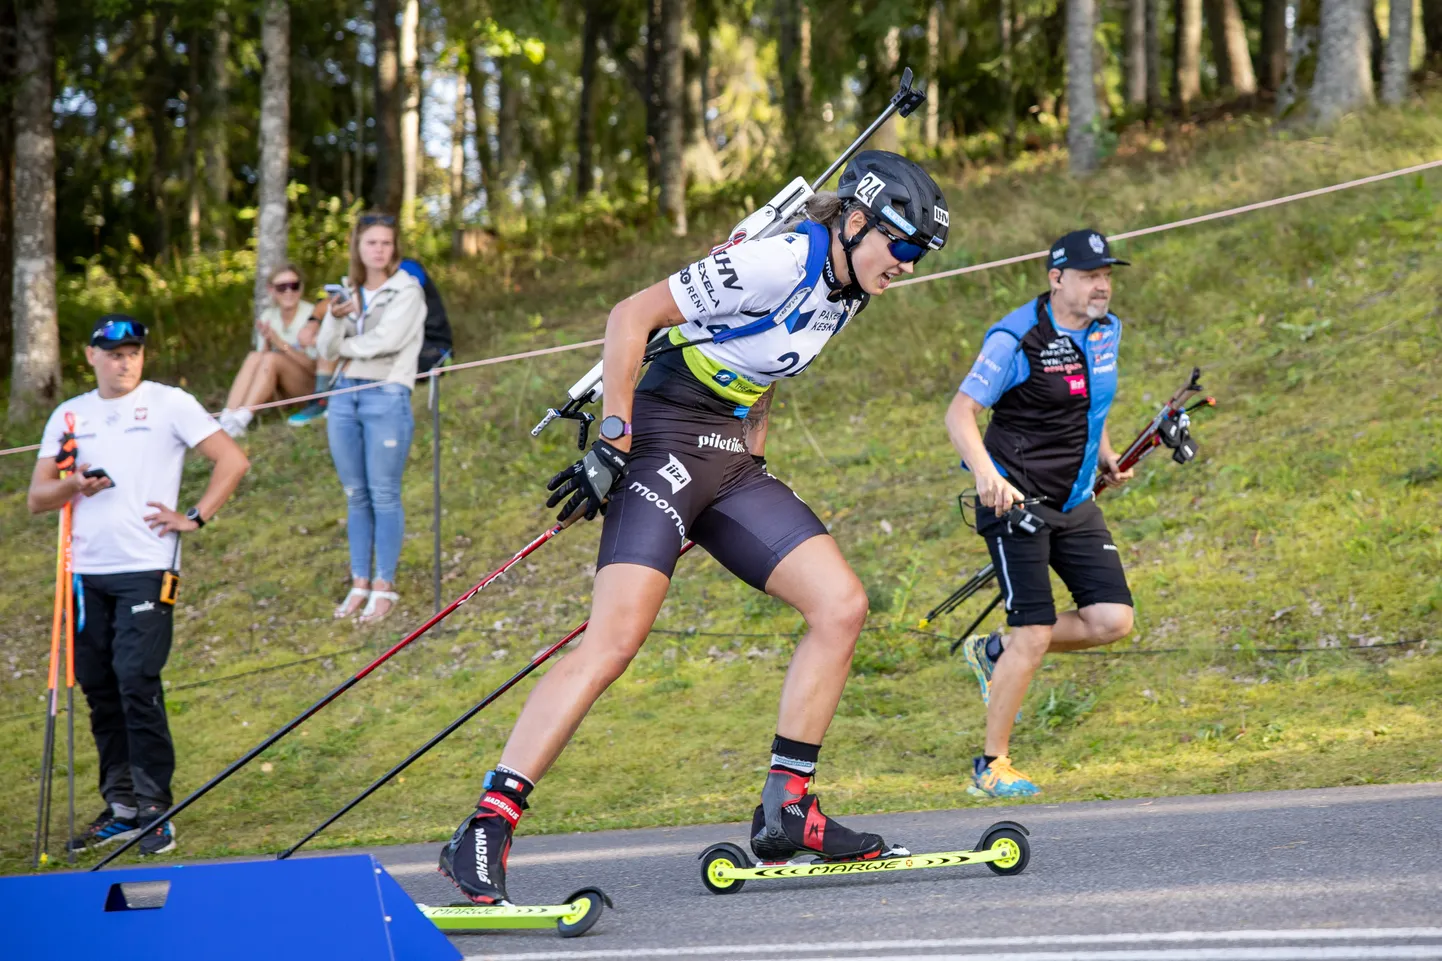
<point x="241" y="387"/>
<point x="1091" y="626"/>
<point x="262" y="385"/>
<point x="816" y="580"/>
<point x="627" y="598"/>
<point x="295" y="373"/>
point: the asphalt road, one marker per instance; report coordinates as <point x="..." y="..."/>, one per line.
<point x="1344" y="873"/>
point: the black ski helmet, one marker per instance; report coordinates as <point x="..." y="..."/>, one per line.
<point x="898" y="191"/>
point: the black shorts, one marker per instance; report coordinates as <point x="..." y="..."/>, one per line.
<point x="1077" y="545"/>
<point x="691" y="476"/>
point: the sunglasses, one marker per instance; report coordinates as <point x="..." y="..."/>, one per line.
<point x="114" y="330"/>
<point x="371" y="220"/>
<point x="289" y="286"/>
<point x="906" y="251"/>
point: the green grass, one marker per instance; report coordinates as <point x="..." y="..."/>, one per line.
<point x="1308" y="524"/>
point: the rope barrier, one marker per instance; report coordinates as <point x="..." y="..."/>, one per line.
<point x="939" y="275"/>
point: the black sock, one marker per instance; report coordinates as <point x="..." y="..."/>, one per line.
<point x="795" y="757"/>
<point x="986" y="759"/>
<point x="994" y="650"/>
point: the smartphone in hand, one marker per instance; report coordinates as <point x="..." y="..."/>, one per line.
<point x="340" y="294"/>
<point x="99" y="472"/>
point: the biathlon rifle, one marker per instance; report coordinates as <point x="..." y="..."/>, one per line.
<point x="1170" y="428"/>
<point x="765" y="222"/>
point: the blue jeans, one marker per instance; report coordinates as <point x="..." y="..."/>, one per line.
<point x="370" y="435"/>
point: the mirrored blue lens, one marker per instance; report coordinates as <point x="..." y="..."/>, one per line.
<point x="119" y="330"/>
<point x="906" y="251"/>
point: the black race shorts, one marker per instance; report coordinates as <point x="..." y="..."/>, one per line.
<point x="1077" y="545"/>
<point x="691" y="477"/>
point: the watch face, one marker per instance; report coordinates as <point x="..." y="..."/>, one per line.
<point x="613" y="428"/>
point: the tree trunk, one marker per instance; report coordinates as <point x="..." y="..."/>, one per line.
<point x="35" y="361"/>
<point x="673" y="106"/>
<point x="1229" y="48"/>
<point x="1081" y="138"/>
<point x="1432" y="28"/>
<point x="217" y="139"/>
<point x="702" y="164"/>
<point x="652" y="95"/>
<point x="390" y="174"/>
<point x="1135" y="60"/>
<point x="358" y="146"/>
<point x="481" y="119"/>
<point x="1398" y="65"/>
<point x="1343" y="82"/>
<point x="1376" y="46"/>
<point x="1187" y="86"/>
<point x="888" y="59"/>
<point x="270" y="223"/>
<point x="157" y="97"/>
<point x="1272" y="62"/>
<point x="458" y="150"/>
<point x="193" y="117"/>
<point x="793" y="53"/>
<point x="1004" y="75"/>
<point x="586" y="108"/>
<point x="410" y="109"/>
<point x="933" y="67"/>
<point x="7" y="172"/>
<point x="1154" y="57"/>
<point x="508" y="131"/>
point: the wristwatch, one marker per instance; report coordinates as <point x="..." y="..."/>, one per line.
<point x="614" y="428"/>
<point x="194" y="515"/>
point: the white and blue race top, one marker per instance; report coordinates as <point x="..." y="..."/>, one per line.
<point x="767" y="304"/>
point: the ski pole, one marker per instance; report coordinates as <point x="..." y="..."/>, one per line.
<point x="42" y="811"/>
<point x="70" y="628"/>
<point x="354" y="679"/>
<point x="449" y="729"/>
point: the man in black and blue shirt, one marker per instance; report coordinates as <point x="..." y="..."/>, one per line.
<point x="1048" y="371"/>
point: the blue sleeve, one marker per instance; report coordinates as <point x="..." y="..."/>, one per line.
<point x="414" y="269"/>
<point x="1000" y="367"/>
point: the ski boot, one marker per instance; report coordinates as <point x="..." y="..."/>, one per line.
<point x="789" y="821"/>
<point x="475" y="858"/>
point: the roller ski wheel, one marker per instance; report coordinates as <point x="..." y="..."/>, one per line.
<point x="716" y="862"/>
<point x="1007" y="840"/>
<point x="571" y="919"/>
<point x="725" y="868"/>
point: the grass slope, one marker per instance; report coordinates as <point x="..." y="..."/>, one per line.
<point x="1310" y="521"/>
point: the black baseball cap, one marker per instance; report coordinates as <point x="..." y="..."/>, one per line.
<point x="117" y="330"/>
<point x="1082" y="250"/>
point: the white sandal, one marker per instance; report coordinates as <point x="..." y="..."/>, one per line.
<point x="345" y="610"/>
<point x="368" y="613"/>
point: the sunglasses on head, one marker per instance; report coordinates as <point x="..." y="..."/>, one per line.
<point x="289" y="285"/>
<point x="906" y="251"/>
<point x="371" y="220"/>
<point x="114" y="330"/>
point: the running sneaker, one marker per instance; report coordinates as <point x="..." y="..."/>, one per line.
<point x="1000" y="779"/>
<point x="475" y="858"/>
<point x="801" y="827"/>
<point x="106" y="828"/>
<point x="981" y="664"/>
<point x="311" y="412"/>
<point x="159" y="836"/>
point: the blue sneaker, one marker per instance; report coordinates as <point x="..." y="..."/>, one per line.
<point x="981" y="664"/>
<point x="105" y="829"/>
<point x="311" y="412"/>
<point x="999" y="779"/>
<point x="159" y="837"/>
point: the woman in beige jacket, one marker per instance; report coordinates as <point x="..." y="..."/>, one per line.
<point x="374" y="330"/>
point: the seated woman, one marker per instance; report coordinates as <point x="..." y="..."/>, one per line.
<point x="281" y="365"/>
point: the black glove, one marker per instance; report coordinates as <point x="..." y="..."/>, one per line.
<point x="65" y="460"/>
<point x="591" y="480"/>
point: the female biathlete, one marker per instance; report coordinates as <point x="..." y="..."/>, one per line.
<point x="682" y="456"/>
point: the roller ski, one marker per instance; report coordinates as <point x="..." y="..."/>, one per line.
<point x="725" y="867"/>
<point x="573" y="918"/>
<point x="474" y="860"/>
